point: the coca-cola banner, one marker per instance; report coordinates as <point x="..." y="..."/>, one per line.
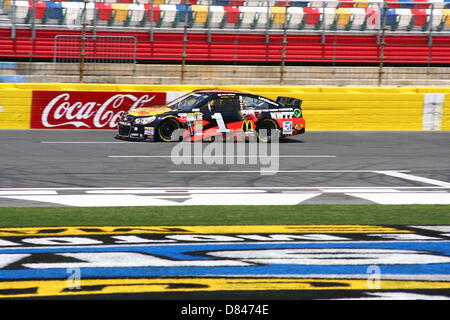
<point x="87" y="109"/>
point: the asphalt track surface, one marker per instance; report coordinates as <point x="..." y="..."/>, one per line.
<point x="74" y="162"/>
<point x="71" y="159"/>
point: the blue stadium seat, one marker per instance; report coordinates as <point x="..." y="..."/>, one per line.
<point x="54" y="11"/>
<point x="184" y="14"/>
<point x="406" y="4"/>
<point x="390" y="18"/>
<point x="299" y="3"/>
<point x="221" y="2"/>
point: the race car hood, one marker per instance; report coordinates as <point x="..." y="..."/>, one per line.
<point x="149" y="111"/>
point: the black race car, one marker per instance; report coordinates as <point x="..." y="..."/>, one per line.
<point x="206" y="114"/>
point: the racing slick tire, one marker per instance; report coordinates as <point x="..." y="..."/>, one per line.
<point x="166" y="128"/>
<point x="265" y="129"/>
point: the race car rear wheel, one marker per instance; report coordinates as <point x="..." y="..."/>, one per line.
<point x="167" y="128"/>
<point x="267" y="129"/>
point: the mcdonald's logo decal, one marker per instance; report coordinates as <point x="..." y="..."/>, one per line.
<point x="247" y="125"/>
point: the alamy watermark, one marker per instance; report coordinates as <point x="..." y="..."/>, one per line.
<point x="374" y="277"/>
<point x="74" y="279"/>
<point x="261" y="151"/>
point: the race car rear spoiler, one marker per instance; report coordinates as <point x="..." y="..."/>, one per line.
<point x="290" y="102"/>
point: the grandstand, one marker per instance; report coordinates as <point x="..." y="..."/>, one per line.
<point x="382" y="38"/>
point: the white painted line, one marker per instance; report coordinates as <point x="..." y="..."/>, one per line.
<point x="404" y="197"/>
<point x="198" y="199"/>
<point x="229" y="156"/>
<point x="98" y="200"/>
<point x="171" y="192"/>
<point x="82" y="142"/>
<point x="25" y="192"/>
<point x="290" y="188"/>
<point x="363" y="190"/>
<point x="257" y="199"/>
<point x="279" y="171"/>
<point x="434" y="228"/>
<point x="399" y="174"/>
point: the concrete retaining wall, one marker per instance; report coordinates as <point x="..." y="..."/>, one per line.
<point x="324" y="108"/>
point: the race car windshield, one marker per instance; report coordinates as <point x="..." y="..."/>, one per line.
<point x="188" y="101"/>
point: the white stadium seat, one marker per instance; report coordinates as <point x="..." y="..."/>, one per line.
<point x="248" y="17"/>
<point x="73" y="12"/>
<point x="216" y="14"/>
<point x="295" y="17"/>
<point x="21" y="11"/>
<point x="359" y="17"/>
<point x="137" y="12"/>
<point x="404" y="18"/>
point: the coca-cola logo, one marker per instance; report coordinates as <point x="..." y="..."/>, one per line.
<point x="87" y="110"/>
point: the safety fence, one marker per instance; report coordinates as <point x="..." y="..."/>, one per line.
<point x="173" y="58"/>
<point x="91" y="106"/>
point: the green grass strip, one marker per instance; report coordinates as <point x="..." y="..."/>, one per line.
<point x="225" y="215"/>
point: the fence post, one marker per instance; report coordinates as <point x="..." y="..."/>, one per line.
<point x="283" y="49"/>
<point x="208" y="21"/>
<point x="267" y="36"/>
<point x="33" y="29"/>
<point x="94" y="21"/>
<point x="151" y="21"/>
<point x="381" y="57"/>
<point x="13" y="19"/>
<point x="381" y="41"/>
<point x="83" y="42"/>
<point x="185" y="40"/>
<point x="430" y="43"/>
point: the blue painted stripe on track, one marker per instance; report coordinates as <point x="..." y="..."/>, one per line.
<point x="268" y="270"/>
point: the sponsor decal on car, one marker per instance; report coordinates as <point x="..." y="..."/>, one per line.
<point x="140" y="112"/>
<point x="247" y="126"/>
<point x="281" y="114"/>
<point x="287" y="127"/>
<point x="149" y="131"/>
<point x="63" y="261"/>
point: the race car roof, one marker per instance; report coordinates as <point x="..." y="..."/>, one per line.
<point x="220" y="91"/>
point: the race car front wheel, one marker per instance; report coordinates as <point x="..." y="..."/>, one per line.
<point x="267" y="130"/>
<point x="167" y="128"/>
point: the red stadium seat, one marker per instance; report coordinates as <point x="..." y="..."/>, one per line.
<point x="237" y="3"/>
<point x="40" y="9"/>
<point x="420" y="17"/>
<point x="284" y="3"/>
<point x="422" y="4"/>
<point x="345" y="4"/>
<point x="104" y="11"/>
<point x="232" y="14"/>
<point x="392" y="4"/>
<point x="313" y="15"/>
<point x="156" y="12"/>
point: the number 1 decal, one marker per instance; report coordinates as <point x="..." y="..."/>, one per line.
<point x="220" y="122"/>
